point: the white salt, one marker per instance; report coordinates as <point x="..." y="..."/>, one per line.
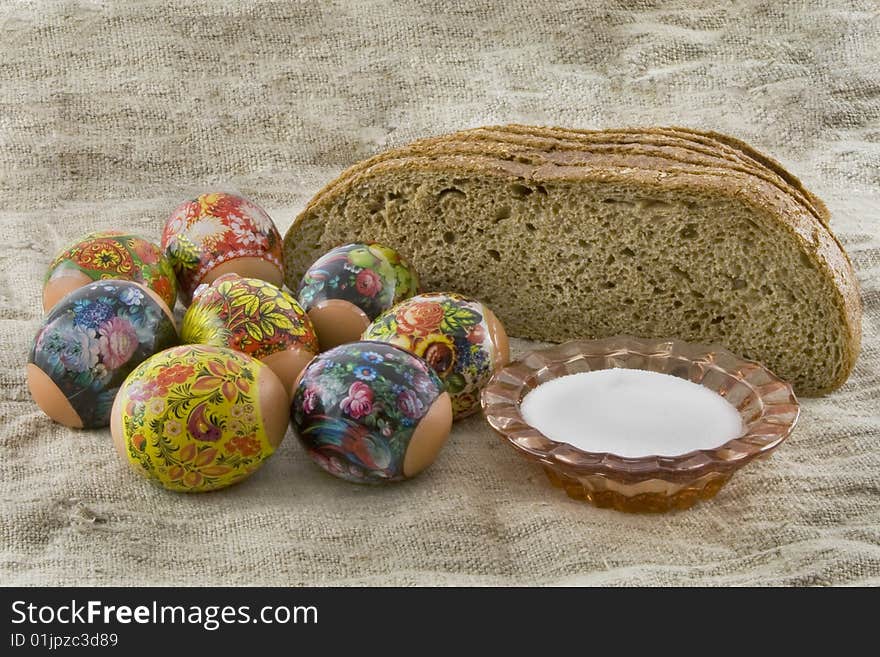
<point x="631" y="413"/>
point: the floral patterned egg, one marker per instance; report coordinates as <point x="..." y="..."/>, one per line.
<point x="197" y="417"/>
<point x="371" y="413"/>
<point x="256" y="318"/>
<point x="350" y="286"/>
<point x="88" y="344"/>
<point x="459" y="337"/>
<point x="109" y="254"/>
<point x="219" y="233"/>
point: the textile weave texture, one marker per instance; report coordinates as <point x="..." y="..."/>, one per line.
<point x="111" y="113"/>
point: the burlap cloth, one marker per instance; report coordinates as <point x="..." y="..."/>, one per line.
<point x="111" y="113"/>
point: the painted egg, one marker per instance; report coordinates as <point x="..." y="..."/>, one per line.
<point x="255" y="318"/>
<point x="219" y="233"/>
<point x="371" y="413"/>
<point x="105" y="255"/>
<point x="88" y="344"/>
<point x="348" y="287"/>
<point x="461" y="338"/>
<point x="196" y="418"/>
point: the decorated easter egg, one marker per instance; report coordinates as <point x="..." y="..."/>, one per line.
<point x="348" y="287"/>
<point x="88" y="344"/>
<point x="197" y="417"/>
<point x="370" y="412"/>
<point x="219" y="233"/>
<point x="461" y="338"/>
<point x="105" y="255"/>
<point x="255" y="318"/>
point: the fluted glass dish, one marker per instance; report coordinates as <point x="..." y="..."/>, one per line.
<point x="766" y="404"/>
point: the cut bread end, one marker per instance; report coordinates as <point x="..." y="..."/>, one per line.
<point x="626" y="246"/>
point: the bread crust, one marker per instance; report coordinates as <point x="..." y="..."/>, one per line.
<point x="684" y="138"/>
<point x="667" y="167"/>
<point x="694" y="142"/>
<point x="723" y="143"/>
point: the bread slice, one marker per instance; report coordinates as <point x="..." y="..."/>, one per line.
<point x="714" y="146"/>
<point x="577" y="234"/>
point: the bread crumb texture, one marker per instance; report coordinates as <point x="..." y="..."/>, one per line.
<point x="576" y="234"/>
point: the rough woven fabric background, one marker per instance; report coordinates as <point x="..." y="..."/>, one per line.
<point x="111" y="113"/>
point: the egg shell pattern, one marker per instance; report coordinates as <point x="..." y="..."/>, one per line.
<point x="371" y="276"/>
<point x="191" y="418"/>
<point x="248" y="315"/>
<point x="113" y="254"/>
<point x="450" y="332"/>
<point x="216" y="228"/>
<point x="93" y="338"/>
<point x="357" y="406"/>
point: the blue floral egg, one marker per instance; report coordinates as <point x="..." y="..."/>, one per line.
<point x="349" y="286"/>
<point x="370" y="412"/>
<point x="89" y="343"/>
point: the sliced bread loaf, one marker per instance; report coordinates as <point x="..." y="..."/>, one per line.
<point x="575" y="234"/>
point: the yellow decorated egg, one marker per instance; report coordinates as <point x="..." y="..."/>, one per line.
<point x="88" y="344"/>
<point x="219" y="233"/>
<point x="106" y="255"/>
<point x="351" y="285"/>
<point x="198" y="418"/>
<point x="255" y="318"/>
<point x="459" y="337"/>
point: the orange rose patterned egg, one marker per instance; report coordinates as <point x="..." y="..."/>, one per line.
<point x="255" y="318"/>
<point x="371" y="413"/>
<point x="109" y="254"/>
<point x="88" y="344"/>
<point x="219" y="233"/>
<point x="461" y="338"/>
<point x="348" y="287"/>
<point x="197" y="418"/>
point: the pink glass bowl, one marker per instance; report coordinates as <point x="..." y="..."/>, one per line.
<point x="766" y="404"/>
